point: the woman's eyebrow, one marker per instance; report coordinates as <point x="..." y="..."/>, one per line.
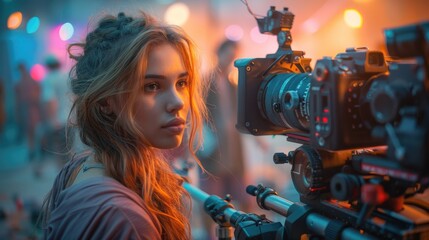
<point x="157" y="76"/>
<point x="182" y="75"/>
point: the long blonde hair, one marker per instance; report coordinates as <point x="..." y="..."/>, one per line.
<point x="114" y="56"/>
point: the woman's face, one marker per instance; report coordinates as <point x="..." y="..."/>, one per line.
<point x="162" y="104"/>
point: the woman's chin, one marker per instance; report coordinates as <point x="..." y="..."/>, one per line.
<point x="170" y="144"/>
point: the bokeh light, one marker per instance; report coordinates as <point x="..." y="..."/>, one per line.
<point x="66" y="31"/>
<point x="33" y="25"/>
<point x="177" y="13"/>
<point x="233" y="76"/>
<point x="38" y="72"/>
<point x="353" y="18"/>
<point x="14" y="20"/>
<point x="310" y="26"/>
<point x="256" y="36"/>
<point x="234" y="32"/>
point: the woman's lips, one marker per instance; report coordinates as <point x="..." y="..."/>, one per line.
<point x="175" y="129"/>
<point x="175" y="126"/>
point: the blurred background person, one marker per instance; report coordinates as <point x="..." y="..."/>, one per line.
<point x="222" y="153"/>
<point x="27" y="93"/>
<point x="56" y="104"/>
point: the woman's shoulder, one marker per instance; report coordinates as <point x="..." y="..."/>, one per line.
<point x="69" y="186"/>
<point x="102" y="195"/>
<point x="102" y="187"/>
<point x="102" y="204"/>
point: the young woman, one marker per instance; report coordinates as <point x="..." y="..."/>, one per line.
<point x="137" y="91"/>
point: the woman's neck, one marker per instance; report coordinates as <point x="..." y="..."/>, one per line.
<point x="89" y="169"/>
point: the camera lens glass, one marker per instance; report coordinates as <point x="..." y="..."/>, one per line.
<point x="283" y="99"/>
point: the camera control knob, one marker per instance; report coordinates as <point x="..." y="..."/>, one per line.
<point x="280" y="158"/>
<point x="346" y="186"/>
<point x="291" y="100"/>
<point x="383" y="97"/>
<point x="321" y="72"/>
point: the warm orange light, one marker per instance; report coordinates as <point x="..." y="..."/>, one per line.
<point x="311" y="25"/>
<point x="177" y="13"/>
<point x="233" y="76"/>
<point x="14" y="20"/>
<point x="353" y="18"/>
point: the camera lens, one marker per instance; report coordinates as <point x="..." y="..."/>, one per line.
<point x="283" y="99"/>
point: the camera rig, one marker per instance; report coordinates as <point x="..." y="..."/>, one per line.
<point x="254" y="92"/>
<point x="363" y="123"/>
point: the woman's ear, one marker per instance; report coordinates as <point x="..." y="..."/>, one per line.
<point x="106" y="106"/>
<point x="111" y="105"/>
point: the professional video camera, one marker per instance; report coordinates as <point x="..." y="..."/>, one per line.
<point x="363" y="123"/>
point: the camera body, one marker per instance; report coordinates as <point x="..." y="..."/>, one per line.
<point x="339" y="119"/>
<point x="337" y="111"/>
<point x="353" y="101"/>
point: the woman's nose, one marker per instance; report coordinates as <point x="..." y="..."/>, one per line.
<point x="175" y="101"/>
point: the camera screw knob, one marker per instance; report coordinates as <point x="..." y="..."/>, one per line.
<point x="321" y="141"/>
<point x="291" y="100"/>
<point x="228" y="197"/>
<point x="321" y="72"/>
<point x="280" y="158"/>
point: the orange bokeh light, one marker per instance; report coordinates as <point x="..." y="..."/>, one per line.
<point x="14" y="20"/>
<point x="353" y="18"/>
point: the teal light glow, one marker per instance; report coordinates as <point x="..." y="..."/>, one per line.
<point x="33" y="25"/>
<point x="66" y="31"/>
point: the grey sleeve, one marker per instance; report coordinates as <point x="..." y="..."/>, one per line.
<point x="121" y="222"/>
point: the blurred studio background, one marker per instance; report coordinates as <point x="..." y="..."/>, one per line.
<point x="34" y="36"/>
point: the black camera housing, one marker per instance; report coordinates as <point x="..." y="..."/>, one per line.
<point x="347" y="104"/>
<point x="338" y="92"/>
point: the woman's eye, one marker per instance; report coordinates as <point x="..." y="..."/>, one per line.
<point x="183" y="83"/>
<point x="151" y="87"/>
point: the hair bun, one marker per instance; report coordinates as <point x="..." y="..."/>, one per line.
<point x="123" y="20"/>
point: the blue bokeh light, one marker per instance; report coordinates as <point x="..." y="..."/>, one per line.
<point x="33" y="25"/>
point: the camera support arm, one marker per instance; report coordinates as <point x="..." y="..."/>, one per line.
<point x="218" y="209"/>
<point x="247" y="225"/>
<point x="301" y="219"/>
